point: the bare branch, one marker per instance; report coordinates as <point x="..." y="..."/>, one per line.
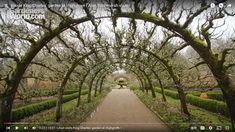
<point x="198" y="64"/>
<point x="167" y="9"/>
<point x="42" y="65"/>
<point x="51" y="10"/>
<point x="208" y="25"/>
<point x="224" y="53"/>
<point x="229" y="66"/>
<point x="66" y="45"/>
<point x="178" y="49"/>
<point x="166" y="40"/>
<point x="194" y="15"/>
<point x="7" y="55"/>
<point x="38" y="24"/>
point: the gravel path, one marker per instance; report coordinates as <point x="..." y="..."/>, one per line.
<point x="121" y="110"/>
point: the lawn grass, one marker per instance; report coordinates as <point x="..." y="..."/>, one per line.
<point x="170" y="113"/>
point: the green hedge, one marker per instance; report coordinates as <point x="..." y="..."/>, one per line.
<point x="31" y="109"/>
<point x="170" y="93"/>
<point x="216" y="95"/>
<point x="52" y="92"/>
<point x="71" y="92"/>
<point x="195" y="93"/>
<point x="207" y="104"/>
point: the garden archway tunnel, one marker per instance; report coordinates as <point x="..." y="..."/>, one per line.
<point x="103" y="57"/>
<point x="142" y="76"/>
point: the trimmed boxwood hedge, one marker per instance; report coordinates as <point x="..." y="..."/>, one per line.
<point x="207" y="104"/>
<point x="170" y="93"/>
<point x="216" y="95"/>
<point x="53" y="92"/>
<point x="71" y="92"/>
<point x="31" y="109"/>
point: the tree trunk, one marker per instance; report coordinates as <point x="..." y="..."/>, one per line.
<point x="79" y="95"/>
<point x="151" y="88"/>
<point x="150" y="83"/>
<point x="147" y="89"/>
<point x="230" y="100"/>
<point x="80" y="88"/>
<point x="163" y="94"/>
<point x="162" y="90"/>
<point x="142" y="81"/>
<point x="179" y="89"/>
<point x="90" y="85"/>
<point x="183" y="100"/>
<point x="5" y="110"/>
<point x="141" y="85"/>
<point x="8" y="96"/>
<point x="98" y="83"/>
<point x="160" y="84"/>
<point x="96" y="87"/>
<point x="227" y="86"/>
<point x="59" y="101"/>
<point x="89" y="92"/>
<point x="58" y="111"/>
<point x="101" y="84"/>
